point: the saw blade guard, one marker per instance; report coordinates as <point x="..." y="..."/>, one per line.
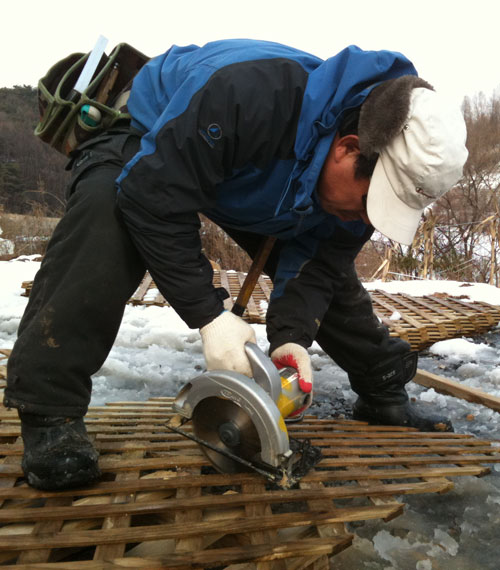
<point x="253" y="396"/>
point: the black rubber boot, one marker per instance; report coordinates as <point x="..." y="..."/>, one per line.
<point x="405" y="415"/>
<point x="58" y="453"/>
<point x="383" y="399"/>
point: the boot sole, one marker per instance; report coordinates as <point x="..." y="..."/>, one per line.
<point x="80" y="478"/>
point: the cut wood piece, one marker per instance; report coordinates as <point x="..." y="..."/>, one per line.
<point x="453" y="388"/>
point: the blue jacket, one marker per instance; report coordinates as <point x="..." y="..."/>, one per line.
<point x="238" y="130"/>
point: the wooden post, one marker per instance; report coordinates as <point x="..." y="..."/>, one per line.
<point x="428" y="261"/>
<point x="385" y="268"/>
<point x="491" y="222"/>
<point x="494" y="245"/>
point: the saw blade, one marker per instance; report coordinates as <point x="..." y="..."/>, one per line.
<point x="227" y="426"/>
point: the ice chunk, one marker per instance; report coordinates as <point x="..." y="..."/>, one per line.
<point x="446" y="541"/>
<point x="432" y="396"/>
<point x="429" y="395"/>
<point x="470" y="370"/>
<point x="389" y="546"/>
<point x="494" y="376"/>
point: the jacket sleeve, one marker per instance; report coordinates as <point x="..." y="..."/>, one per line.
<point x="244" y="113"/>
<point x="296" y="312"/>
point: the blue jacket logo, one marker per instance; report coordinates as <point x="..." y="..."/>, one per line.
<point x="214" y="131"/>
<point x="211" y="134"/>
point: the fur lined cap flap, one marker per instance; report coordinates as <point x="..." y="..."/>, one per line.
<point x="385" y="111"/>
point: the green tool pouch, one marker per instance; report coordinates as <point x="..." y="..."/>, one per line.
<point x="69" y="118"/>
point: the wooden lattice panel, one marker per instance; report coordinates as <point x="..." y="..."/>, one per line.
<point x="160" y="505"/>
<point x="426" y="320"/>
<point x="148" y="294"/>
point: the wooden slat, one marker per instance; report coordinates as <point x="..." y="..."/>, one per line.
<point x="262" y="552"/>
<point x="452" y="388"/>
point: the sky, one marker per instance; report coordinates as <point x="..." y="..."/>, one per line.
<point x="454" y="45"/>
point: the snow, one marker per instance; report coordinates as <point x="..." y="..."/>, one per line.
<point x="155" y="354"/>
<point x="462" y="348"/>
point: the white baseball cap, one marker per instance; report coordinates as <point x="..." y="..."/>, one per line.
<point x="417" y="166"/>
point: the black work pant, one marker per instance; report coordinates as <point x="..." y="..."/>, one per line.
<point x="90" y="270"/>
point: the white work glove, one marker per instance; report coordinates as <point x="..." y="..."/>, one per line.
<point x="295" y="356"/>
<point x="224" y="341"/>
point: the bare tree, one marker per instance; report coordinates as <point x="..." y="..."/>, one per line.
<point x="462" y="235"/>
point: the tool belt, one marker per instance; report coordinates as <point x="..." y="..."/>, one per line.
<point x="69" y="118"/>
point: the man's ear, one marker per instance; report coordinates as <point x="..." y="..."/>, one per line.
<point x="346" y="145"/>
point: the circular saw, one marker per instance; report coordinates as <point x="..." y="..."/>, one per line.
<point x="239" y="422"/>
